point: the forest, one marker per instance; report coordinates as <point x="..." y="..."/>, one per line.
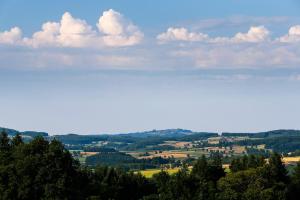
<point x="42" y="169"/>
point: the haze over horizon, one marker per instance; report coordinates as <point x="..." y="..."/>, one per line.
<point x="115" y="67"/>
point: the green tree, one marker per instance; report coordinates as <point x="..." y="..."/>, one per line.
<point x="276" y="169"/>
<point x="17" y="140"/>
<point x="294" y="188"/>
<point x="162" y="181"/>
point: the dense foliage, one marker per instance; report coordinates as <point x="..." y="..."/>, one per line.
<point x="125" y="161"/>
<point x="275" y="133"/>
<point x="37" y="170"/>
<point x="24" y="133"/>
<point x="283" y="144"/>
<point x="44" y="169"/>
<point x="149" y="140"/>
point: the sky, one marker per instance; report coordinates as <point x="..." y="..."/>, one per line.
<point x="93" y="67"/>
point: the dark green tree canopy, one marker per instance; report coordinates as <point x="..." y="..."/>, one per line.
<point x="42" y="169"/>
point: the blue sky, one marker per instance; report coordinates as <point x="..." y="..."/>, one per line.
<point x="112" y="66"/>
<point x="31" y="13"/>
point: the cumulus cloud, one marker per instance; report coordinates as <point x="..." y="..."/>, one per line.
<point x="75" y="32"/>
<point x="113" y="30"/>
<point x="69" y="32"/>
<point x="46" y="37"/>
<point x="292" y="36"/>
<point x="117" y="30"/>
<point x="13" y="36"/>
<point x="181" y="34"/>
<point x="111" y="23"/>
<point x="250" y="49"/>
<point x="255" y="34"/>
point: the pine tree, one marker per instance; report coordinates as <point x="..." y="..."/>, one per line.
<point x="277" y="169"/>
<point x="17" y="140"/>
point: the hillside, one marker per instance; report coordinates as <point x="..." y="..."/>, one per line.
<point x="13" y="132"/>
<point x="267" y="134"/>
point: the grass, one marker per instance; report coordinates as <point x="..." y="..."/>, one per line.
<point x="82" y="159"/>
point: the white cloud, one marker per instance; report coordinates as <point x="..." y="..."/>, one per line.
<point x="46" y="37"/>
<point x="13" y="36"/>
<point x="45" y="46"/>
<point x="111" y="23"/>
<point x="251" y="49"/>
<point x="266" y="55"/>
<point x="69" y="59"/>
<point x="117" y="30"/>
<point x="255" y="34"/>
<point x="69" y="32"/>
<point x="181" y="34"/>
<point x="75" y="32"/>
<point x="292" y="36"/>
<point x="114" y="31"/>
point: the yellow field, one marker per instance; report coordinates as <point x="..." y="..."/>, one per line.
<point x="239" y="149"/>
<point x="177" y="144"/>
<point x="288" y="160"/>
<point x="88" y="153"/>
<point x="214" y="140"/>
<point x="262" y="146"/>
<point x="149" y="173"/>
<point x="165" y="154"/>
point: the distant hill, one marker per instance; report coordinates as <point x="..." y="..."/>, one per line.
<point x="161" y="133"/>
<point x="150" y="140"/>
<point x="154" y="136"/>
<point x="267" y="134"/>
<point x="13" y="132"/>
<point x="80" y="139"/>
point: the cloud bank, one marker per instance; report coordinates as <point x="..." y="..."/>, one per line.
<point x="181" y="34"/>
<point x="72" y="42"/>
<point x="255" y="34"/>
<point x="113" y="31"/>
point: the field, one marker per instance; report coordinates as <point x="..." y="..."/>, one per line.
<point x="165" y="154"/>
<point x="214" y="140"/>
<point x="239" y="149"/>
<point x="149" y="173"/>
<point x="290" y="160"/>
<point x="178" y="144"/>
<point x="81" y="159"/>
<point x="88" y="153"/>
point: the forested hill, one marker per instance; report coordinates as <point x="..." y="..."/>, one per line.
<point x="273" y="133"/>
<point x="162" y="133"/>
<point x="167" y="133"/>
<point x="134" y="137"/>
<point x="13" y="132"/>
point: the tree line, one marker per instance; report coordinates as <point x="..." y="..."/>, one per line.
<point x="43" y="169"/>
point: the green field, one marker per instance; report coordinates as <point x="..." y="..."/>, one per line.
<point x="82" y="159"/>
